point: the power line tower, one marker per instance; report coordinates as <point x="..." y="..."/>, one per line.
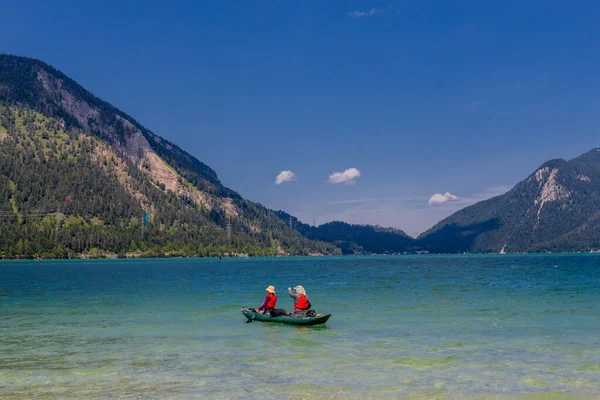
<point x="291" y="222"/>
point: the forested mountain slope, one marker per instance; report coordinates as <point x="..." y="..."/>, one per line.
<point x="77" y="176"/>
<point x="353" y="238"/>
<point x="556" y="208"/>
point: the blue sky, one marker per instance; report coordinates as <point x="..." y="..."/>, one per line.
<point x="421" y="97"/>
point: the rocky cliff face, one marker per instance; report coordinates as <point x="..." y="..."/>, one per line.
<point x="127" y="137"/>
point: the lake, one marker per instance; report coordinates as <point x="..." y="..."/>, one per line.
<point x="418" y="327"/>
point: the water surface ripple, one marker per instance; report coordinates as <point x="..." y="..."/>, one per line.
<point x="427" y="327"/>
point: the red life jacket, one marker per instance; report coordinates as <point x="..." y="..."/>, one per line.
<point x="302" y="303"/>
<point x="272" y="301"/>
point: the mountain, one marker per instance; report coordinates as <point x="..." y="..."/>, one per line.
<point x="351" y="238"/>
<point x="556" y="208"/>
<point x="77" y="175"/>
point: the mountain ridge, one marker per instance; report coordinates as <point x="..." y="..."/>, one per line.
<point x="553" y="209"/>
<point x="46" y="118"/>
<point x="355" y="238"/>
<point x="53" y="128"/>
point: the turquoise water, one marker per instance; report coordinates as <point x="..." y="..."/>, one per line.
<point x="447" y="327"/>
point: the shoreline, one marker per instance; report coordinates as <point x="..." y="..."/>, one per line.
<point x="240" y="257"/>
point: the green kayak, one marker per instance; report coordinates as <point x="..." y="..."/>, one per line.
<point x="285" y="319"/>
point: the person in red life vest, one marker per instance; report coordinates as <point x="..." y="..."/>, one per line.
<point x="270" y="300"/>
<point x="301" y="301"/>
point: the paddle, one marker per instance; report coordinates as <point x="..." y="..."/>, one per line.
<point x="252" y="319"/>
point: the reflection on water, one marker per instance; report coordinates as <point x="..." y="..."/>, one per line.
<point x="402" y="327"/>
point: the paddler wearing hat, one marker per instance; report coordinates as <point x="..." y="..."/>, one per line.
<point x="270" y="300"/>
<point x="301" y="301"/>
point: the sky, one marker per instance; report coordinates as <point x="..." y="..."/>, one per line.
<point x="395" y="113"/>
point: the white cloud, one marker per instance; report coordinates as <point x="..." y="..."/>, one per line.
<point x="285" y="176"/>
<point x="360" y="14"/>
<point x="442" y="198"/>
<point x="347" y="177"/>
<point x="456" y="203"/>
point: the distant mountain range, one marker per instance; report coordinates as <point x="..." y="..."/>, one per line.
<point x="555" y="209"/>
<point x="351" y="238"/>
<point x="78" y="176"/>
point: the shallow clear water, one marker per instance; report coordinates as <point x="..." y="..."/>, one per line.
<point x="407" y="326"/>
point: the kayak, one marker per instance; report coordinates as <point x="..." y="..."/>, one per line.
<point x="285" y="319"/>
